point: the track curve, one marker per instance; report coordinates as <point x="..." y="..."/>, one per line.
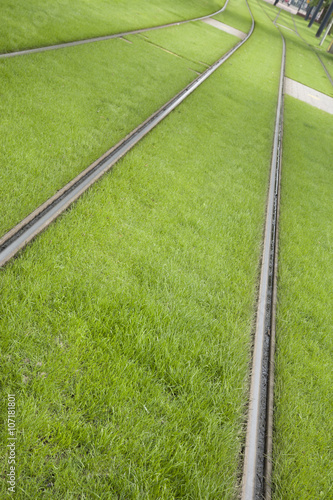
<point x="19" y="236"/>
<point x="65" y="45"/>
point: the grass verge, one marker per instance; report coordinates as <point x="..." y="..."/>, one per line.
<point x="36" y="23"/>
<point x="128" y="350"/>
<point x="303" y="396"/>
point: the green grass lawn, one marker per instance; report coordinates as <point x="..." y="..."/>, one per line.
<point x="236" y="15"/>
<point x="40" y="23"/>
<point x="285" y="19"/>
<point x="126" y="326"/>
<point x="62" y="110"/>
<point x="303" y="457"/>
<point x="309" y="34"/>
<point x="196" y="41"/>
<point x="302" y="63"/>
<point x="328" y="61"/>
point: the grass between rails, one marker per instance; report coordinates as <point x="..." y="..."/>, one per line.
<point x="302" y="63"/>
<point x="309" y="36"/>
<point x="207" y="45"/>
<point x="236" y="15"/>
<point x="303" y="455"/>
<point x="62" y="110"/>
<point x="285" y="19"/>
<point x="36" y="23"/>
<point x="128" y="350"/>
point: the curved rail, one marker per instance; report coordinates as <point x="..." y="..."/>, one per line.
<point x="106" y="37"/>
<point x="37" y="221"/>
<point x="257" y="461"/>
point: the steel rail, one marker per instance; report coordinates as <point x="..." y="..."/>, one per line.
<point x="75" y="43"/>
<point x="271" y="367"/>
<point x="257" y="473"/>
<point x="37" y="221"/>
<point x="257" y="460"/>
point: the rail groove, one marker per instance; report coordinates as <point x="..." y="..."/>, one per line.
<point x="257" y="473"/>
<point x="18" y="237"/>
<point x="256" y="481"/>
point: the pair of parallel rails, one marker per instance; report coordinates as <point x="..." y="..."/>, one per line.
<point x="257" y="457"/>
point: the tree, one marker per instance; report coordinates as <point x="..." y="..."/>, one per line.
<point x="325" y="7"/>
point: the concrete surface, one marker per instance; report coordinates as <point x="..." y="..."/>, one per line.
<point x="225" y="27"/>
<point x="308" y="95"/>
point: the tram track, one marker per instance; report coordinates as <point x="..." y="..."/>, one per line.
<point x="315" y="52"/>
<point x="76" y="43"/>
<point x="19" y="236"/>
<point x="313" y="49"/>
<point x="256" y="479"/>
<point x="257" y="460"/>
<point x="257" y="472"/>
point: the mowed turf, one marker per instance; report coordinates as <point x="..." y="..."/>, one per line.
<point x="309" y="35"/>
<point x="304" y="66"/>
<point x="302" y="63"/>
<point x="236" y="15"/>
<point x="197" y="42"/>
<point x="38" y="23"/>
<point x="303" y="454"/>
<point x="127" y="324"/>
<point x="63" y="110"/>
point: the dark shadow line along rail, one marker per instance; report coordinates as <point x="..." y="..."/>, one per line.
<point x="75" y="43"/>
<point x="18" y="237"/>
